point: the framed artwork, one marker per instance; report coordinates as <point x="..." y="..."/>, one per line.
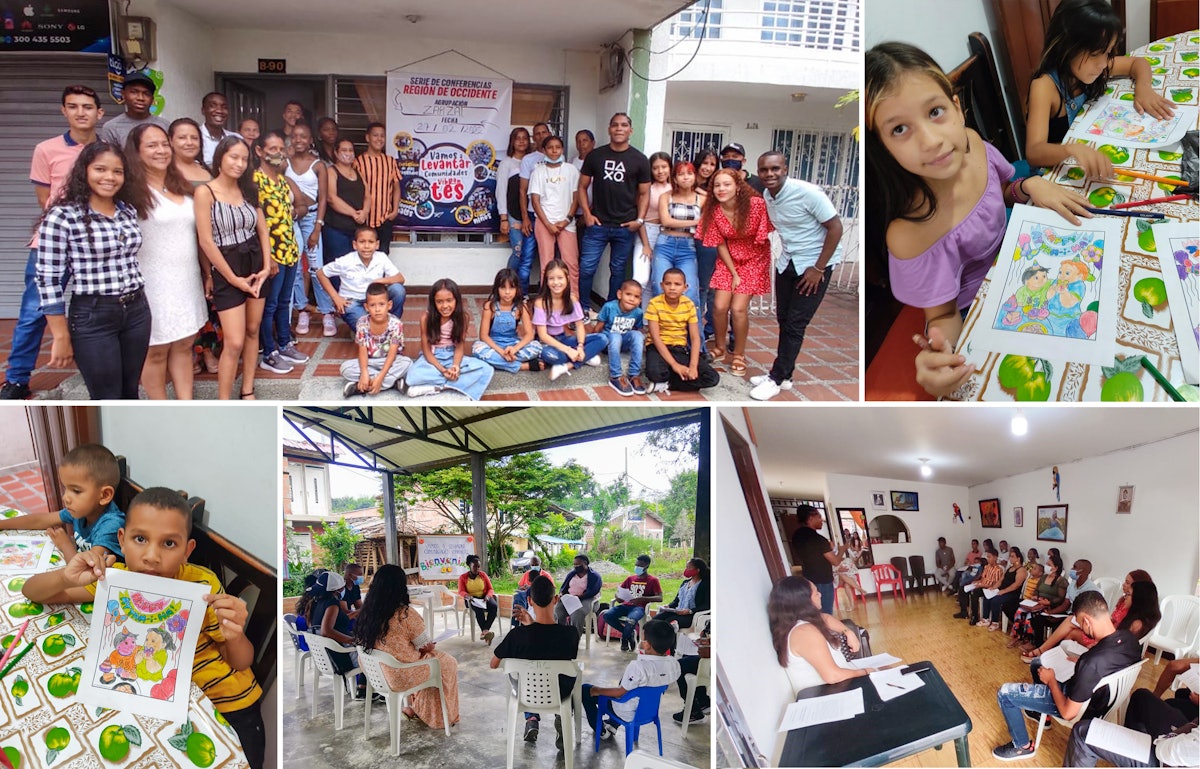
<point x="141" y="646"/>
<point x="1019" y="517"/>
<point x="904" y="500"/>
<point x="878" y="500"/>
<point x="1052" y="523"/>
<point x="989" y="513"/>
<point x="1125" y="500"/>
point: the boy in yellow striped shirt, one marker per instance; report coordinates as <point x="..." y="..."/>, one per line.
<point x="673" y="361"/>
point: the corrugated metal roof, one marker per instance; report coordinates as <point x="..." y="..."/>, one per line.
<point x="415" y="439"/>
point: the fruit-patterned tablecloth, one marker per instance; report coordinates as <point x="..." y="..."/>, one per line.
<point x="1176" y="72"/>
<point x="43" y="725"/>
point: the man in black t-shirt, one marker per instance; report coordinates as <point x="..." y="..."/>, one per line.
<point x="813" y="553"/>
<point x="619" y="177"/>
<point x="539" y="638"/>
<point x="1114" y="650"/>
<point x="352" y="596"/>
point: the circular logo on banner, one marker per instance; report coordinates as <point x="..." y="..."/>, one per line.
<point x="482" y="152"/>
<point x="462" y="215"/>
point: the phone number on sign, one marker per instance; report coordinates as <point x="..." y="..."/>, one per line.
<point x="38" y="39"/>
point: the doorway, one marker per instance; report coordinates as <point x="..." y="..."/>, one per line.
<point x="262" y="98"/>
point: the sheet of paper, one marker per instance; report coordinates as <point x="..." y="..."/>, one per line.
<point x="890" y="684"/>
<point x="570" y="602"/>
<point x="479" y="603"/>
<point x="1056" y="660"/>
<point x="1190" y="678"/>
<point x="25" y="555"/>
<point x="823" y="710"/>
<point x="970" y="587"/>
<point x="1028" y="603"/>
<point x="875" y="661"/>
<point x="1053" y="290"/>
<point x="624" y="594"/>
<point x="990" y="593"/>
<point x="1179" y="256"/>
<point x="1072" y="648"/>
<point x="1112" y="121"/>
<point x="1120" y="740"/>
<point x="684" y="645"/>
<point x="448" y="633"/>
<point x="141" y="646"/>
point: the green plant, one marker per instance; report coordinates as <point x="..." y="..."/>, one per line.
<point x="337" y="546"/>
<point x="299" y="565"/>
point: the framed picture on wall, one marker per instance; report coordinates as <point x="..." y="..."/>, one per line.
<point x="989" y="513"/>
<point x="904" y="500"/>
<point x="1018" y="517"/>
<point x="1125" y="500"/>
<point x="1052" y="523"/>
<point x="878" y="500"/>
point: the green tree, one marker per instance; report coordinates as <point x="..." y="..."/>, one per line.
<point x="682" y="441"/>
<point x="346" y="504"/>
<point x="678" y="507"/>
<point x="520" y="490"/>
<point x="337" y="546"/>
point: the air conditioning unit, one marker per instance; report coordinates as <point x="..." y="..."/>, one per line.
<point x="612" y="67"/>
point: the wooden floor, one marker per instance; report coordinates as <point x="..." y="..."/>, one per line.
<point x="973" y="662"/>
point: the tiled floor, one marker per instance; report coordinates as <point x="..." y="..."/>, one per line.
<point x="22" y="489"/>
<point x="827" y="368"/>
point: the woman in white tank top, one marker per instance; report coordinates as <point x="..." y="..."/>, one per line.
<point x="807" y="642"/>
<point x="307" y="173"/>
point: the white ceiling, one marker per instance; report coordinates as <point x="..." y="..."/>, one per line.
<point x="571" y="23"/>
<point x="966" y="445"/>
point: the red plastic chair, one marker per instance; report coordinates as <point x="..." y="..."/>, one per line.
<point x="886" y="574"/>
<point x="838" y="587"/>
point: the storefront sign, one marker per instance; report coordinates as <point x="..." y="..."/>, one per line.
<point x="449" y="134"/>
<point x="63" y="26"/>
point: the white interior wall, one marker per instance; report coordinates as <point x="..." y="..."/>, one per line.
<point x="1159" y="536"/>
<point x="228" y="456"/>
<point x="184" y="48"/>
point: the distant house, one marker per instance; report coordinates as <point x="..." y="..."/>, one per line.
<point x="635" y="519"/>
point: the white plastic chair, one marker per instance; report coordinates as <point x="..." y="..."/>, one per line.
<point x="468" y="618"/>
<point x="1109" y="588"/>
<point x="301" y="656"/>
<point x="1178" y="631"/>
<point x="698" y="621"/>
<point x="589" y="628"/>
<point x="537" y="692"/>
<point x="702" y="677"/>
<point x="640" y="759"/>
<point x="1120" y="684"/>
<point x="323" y="667"/>
<point x="439" y="606"/>
<point x="373" y="662"/>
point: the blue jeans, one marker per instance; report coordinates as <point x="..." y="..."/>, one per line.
<point x="631" y="613"/>
<point x="1014" y="698"/>
<point x="680" y="253"/>
<point x="31" y="324"/>
<point x="706" y="259"/>
<point x="275" y="332"/>
<point x="110" y="339"/>
<point x="524" y="251"/>
<point x="316" y="260"/>
<point x="634" y="342"/>
<point x="355" y="309"/>
<point x="826" y="589"/>
<point x="620" y="243"/>
<point x="593" y="344"/>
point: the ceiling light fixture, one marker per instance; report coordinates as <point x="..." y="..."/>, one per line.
<point x="926" y="470"/>
<point x="1020" y="425"/>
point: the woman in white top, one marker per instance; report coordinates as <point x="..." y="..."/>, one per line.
<point x="510" y="208"/>
<point x="845" y="571"/>
<point x="170" y="264"/>
<point x="807" y="642"/>
<point x="308" y="177"/>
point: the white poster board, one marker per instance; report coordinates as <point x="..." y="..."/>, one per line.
<point x="25" y="555"/>
<point x="1179" y="254"/>
<point x="142" y="643"/>
<point x="443" y="557"/>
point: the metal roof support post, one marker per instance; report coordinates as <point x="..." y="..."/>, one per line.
<point x="703" y="537"/>
<point x="479" y="505"/>
<point x="389" y="518"/>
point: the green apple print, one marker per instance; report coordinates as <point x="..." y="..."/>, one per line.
<point x="1181" y="95"/>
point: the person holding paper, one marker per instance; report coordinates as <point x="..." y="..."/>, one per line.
<point x="1114" y="650"/>
<point x="809" y="644"/>
<point x="972" y="584"/>
<point x="693" y="595"/>
<point x="388" y="622"/>
<point x="476" y="590"/>
<point x="156" y="540"/>
<point x="1007" y="594"/>
<point x="1078" y="581"/>
<point x="583" y="583"/>
<point x="1176" y="740"/>
<point x="643" y="588"/>
<point x="1051" y="591"/>
<point x="1174" y="668"/>
<point x="1137" y="611"/>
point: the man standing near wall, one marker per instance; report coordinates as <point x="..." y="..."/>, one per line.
<point x="814" y="555"/>
<point x="138" y="93"/>
<point x="617" y="208"/>
<point x="811" y="232"/>
<point x="215" y="108"/>
<point x="532" y="160"/>
<point x="381" y="175"/>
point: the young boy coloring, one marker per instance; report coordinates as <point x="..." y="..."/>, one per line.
<point x="89" y="475"/>
<point x="156" y="540"/>
<point x="621" y="321"/>
<point x="652" y="668"/>
<point x="358" y="270"/>
<point x="539" y="637"/>
<point x="674" y="361"/>
<point x="380" y="338"/>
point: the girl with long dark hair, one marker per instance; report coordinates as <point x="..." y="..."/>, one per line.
<point x="443" y="363"/>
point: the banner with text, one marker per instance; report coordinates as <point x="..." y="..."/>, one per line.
<point x="443" y="558"/>
<point x="449" y="134"/>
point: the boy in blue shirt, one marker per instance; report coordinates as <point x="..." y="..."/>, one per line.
<point x="89" y="475"/>
<point x="621" y="321"/>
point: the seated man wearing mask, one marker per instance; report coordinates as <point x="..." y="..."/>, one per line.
<point x="521" y="597"/>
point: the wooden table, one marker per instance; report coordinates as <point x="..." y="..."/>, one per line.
<point x="1153" y="337"/>
<point x="45" y="673"/>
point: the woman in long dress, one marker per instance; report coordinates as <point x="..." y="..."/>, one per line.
<point x="389" y="623"/>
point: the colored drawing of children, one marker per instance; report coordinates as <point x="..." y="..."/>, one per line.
<point x="152" y="658"/>
<point x="1066" y="300"/>
<point x="122" y="662"/>
<point x="1029" y="301"/>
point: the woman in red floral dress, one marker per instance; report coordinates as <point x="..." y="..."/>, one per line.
<point x="735" y="222"/>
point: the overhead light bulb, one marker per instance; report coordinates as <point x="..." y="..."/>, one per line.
<point x="926" y="470"/>
<point x="1020" y="425"/>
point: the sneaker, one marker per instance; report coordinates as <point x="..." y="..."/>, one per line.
<point x="289" y="353"/>
<point x="558" y="740"/>
<point x="621" y="385"/>
<point x="275" y="364"/>
<point x="662" y="388"/>
<point x="697" y="717"/>
<point x="15" y="391"/>
<point x="416" y="391"/>
<point x="531" y="729"/>
<point x="1010" y="752"/>
<point x="302" y="322"/>
<point x="328" y="326"/>
<point x="755" y="381"/>
<point x="982" y="623"/>
<point x="624" y="644"/>
<point x="592" y="361"/>
<point x="607" y="731"/>
<point x="558" y="370"/>
<point x="765" y="391"/>
<point x="636" y="383"/>
<point x="350" y="389"/>
<point x="993" y="627"/>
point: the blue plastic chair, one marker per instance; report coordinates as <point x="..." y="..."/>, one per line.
<point x="649" y="699"/>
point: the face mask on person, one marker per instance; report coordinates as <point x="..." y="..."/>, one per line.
<point x="736" y="165"/>
<point x="1072" y="575"/>
<point x="358" y="580"/>
<point x="581" y="569"/>
<point x="276" y="160"/>
<point x="689" y="573"/>
<point x="535" y="570"/>
<point x="639" y="570"/>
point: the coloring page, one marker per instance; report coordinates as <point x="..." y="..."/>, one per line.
<point x="1181" y="274"/>
<point x="1051" y="293"/>
<point x="141" y="645"/>
<point x="1113" y="121"/>
<point x="25" y="555"/>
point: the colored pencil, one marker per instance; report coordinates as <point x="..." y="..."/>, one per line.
<point x="1151" y="201"/>
<point x="1152" y="177"/>
<point x="1135" y="214"/>
<point x="1162" y="380"/>
<point x="13" y="646"/>
<point x="13" y="662"/>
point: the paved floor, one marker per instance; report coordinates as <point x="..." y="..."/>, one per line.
<point x="480" y="738"/>
<point x="827" y="369"/>
<point x="21" y="489"/>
